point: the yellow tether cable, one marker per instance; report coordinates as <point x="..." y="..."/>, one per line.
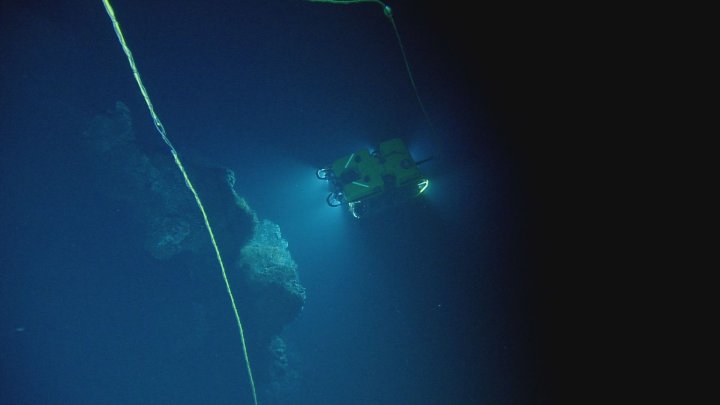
<point x="388" y="13"/>
<point x="161" y="129"/>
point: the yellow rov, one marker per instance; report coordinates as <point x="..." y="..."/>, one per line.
<point x="369" y="181"/>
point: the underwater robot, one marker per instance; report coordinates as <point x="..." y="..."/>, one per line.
<point x="369" y="181"/>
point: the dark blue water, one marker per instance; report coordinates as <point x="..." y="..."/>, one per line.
<point x="437" y="304"/>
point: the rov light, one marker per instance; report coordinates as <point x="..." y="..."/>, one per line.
<point x="324" y="174"/>
<point x="353" y="207"/>
<point x="422" y="185"/>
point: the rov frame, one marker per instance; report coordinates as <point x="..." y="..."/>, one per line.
<point x="368" y="181"/>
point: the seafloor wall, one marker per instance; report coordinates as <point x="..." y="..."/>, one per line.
<point x="153" y="192"/>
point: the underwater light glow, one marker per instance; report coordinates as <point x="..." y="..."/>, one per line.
<point x="423" y="185"/>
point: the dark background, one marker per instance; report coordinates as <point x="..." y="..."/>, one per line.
<point x="463" y="299"/>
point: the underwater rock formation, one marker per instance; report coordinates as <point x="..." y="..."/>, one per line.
<point x="266" y="284"/>
<point x="283" y="375"/>
<point x="149" y="186"/>
<point x="166" y="237"/>
<point x="271" y="275"/>
<point x="268" y="260"/>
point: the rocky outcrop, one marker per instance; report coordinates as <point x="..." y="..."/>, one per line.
<point x="265" y="277"/>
